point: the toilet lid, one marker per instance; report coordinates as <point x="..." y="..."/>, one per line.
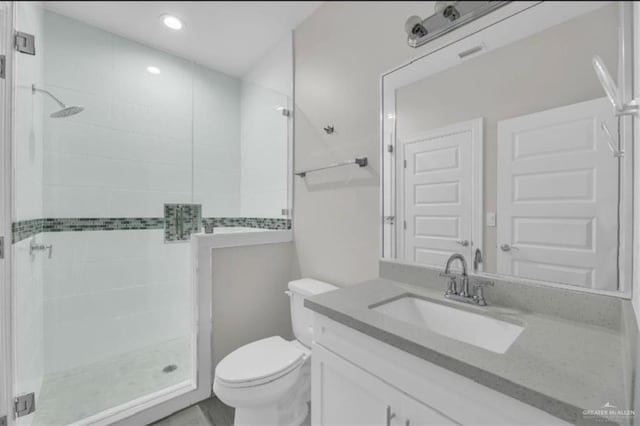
<point x="260" y="361"/>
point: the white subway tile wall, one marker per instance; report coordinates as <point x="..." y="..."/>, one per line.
<point x="143" y="140"/>
<point x="128" y="288"/>
<point x="126" y="155"/>
<point x="130" y="150"/>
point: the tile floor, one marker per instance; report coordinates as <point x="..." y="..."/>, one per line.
<point x="82" y="392"/>
<point x="210" y="412"/>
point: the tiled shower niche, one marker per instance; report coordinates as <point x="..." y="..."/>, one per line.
<point x="180" y="221"/>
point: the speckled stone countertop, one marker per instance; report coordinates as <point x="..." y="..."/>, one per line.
<point x="558" y="365"/>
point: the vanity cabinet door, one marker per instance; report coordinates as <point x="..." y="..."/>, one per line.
<point x="344" y="394"/>
<point x="414" y="413"/>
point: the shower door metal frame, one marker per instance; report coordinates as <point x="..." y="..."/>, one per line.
<point x="6" y="311"/>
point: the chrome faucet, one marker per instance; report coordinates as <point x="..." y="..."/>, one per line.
<point x="465" y="278"/>
<point x="463" y="295"/>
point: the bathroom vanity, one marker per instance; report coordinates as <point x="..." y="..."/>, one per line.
<point x="512" y="367"/>
<point x="496" y="152"/>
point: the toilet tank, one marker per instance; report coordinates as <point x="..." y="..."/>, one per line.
<point x="301" y="317"/>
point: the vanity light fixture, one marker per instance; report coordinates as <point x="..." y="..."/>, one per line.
<point x="447" y="16"/>
<point x="172" y="22"/>
<point x="153" y="70"/>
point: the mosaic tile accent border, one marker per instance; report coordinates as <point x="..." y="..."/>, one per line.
<point x="102" y="224"/>
<point x="27" y="228"/>
<point x="249" y="222"/>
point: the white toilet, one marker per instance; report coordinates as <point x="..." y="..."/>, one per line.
<point x="268" y="381"/>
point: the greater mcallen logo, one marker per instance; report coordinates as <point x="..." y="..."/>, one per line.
<point x="608" y="412"/>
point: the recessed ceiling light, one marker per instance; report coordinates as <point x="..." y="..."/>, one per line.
<point x="153" y="70"/>
<point x="172" y="22"/>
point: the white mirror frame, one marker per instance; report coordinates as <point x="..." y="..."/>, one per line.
<point x="504" y="26"/>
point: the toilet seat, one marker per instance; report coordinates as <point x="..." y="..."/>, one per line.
<point x="260" y="362"/>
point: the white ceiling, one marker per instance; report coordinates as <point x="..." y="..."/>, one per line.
<point x="228" y="36"/>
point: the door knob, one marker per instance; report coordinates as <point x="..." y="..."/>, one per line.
<point x="507" y="247"/>
<point x="463" y="243"/>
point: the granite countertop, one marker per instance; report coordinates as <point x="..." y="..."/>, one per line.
<point x="560" y="366"/>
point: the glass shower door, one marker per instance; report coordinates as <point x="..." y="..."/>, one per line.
<point x="104" y="304"/>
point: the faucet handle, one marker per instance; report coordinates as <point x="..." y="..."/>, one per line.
<point x="478" y="294"/>
<point x="452" y="287"/>
<point x="482" y="283"/>
<point x="449" y="275"/>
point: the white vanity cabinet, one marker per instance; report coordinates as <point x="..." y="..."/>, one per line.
<point x="358" y="380"/>
<point x="349" y="395"/>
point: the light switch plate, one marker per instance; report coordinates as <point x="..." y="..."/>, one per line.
<point x="491" y="219"/>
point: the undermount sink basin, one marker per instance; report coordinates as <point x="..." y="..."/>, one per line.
<point x="475" y="329"/>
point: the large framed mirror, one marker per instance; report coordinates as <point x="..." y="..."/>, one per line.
<point x="499" y="143"/>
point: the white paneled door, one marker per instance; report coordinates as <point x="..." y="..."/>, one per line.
<point x="558" y="196"/>
<point x="441" y="200"/>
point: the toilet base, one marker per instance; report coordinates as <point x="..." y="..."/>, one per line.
<point x="271" y="408"/>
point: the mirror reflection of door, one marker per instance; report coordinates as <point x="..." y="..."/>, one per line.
<point x="441" y="200"/>
<point x="557" y="197"/>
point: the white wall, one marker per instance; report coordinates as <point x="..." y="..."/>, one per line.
<point x="265" y="133"/>
<point x="28" y="157"/>
<point x="248" y="295"/>
<point x="340" y="52"/>
<point x="274" y="71"/>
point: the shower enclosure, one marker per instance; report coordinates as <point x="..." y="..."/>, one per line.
<point x="107" y="135"/>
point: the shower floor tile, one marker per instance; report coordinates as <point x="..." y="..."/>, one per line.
<point x="82" y="392"/>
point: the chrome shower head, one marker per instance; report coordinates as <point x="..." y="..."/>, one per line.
<point x="65" y="110"/>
